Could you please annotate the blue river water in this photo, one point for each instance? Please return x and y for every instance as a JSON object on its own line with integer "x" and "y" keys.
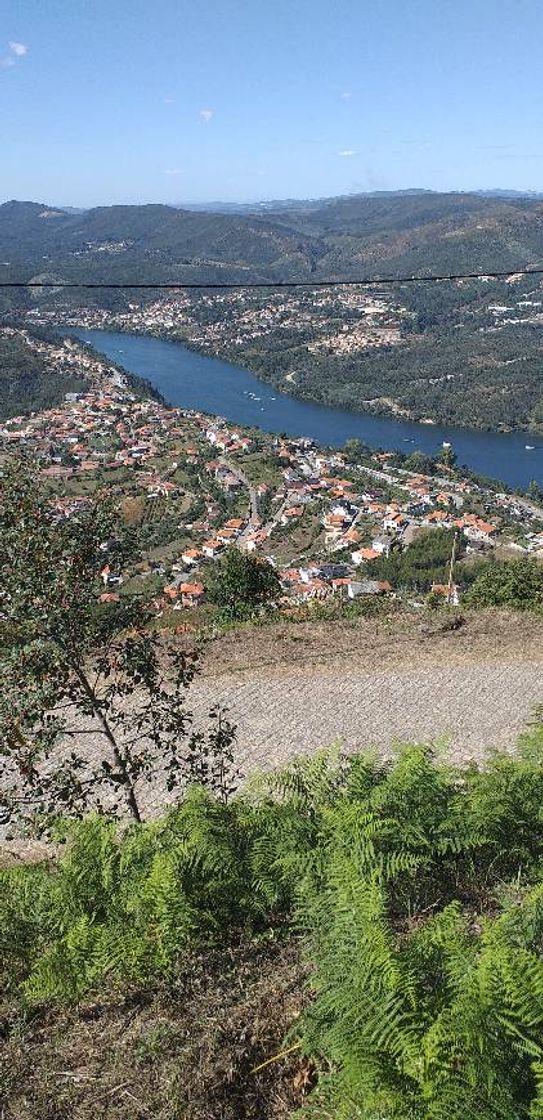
{"x": 195, "y": 381}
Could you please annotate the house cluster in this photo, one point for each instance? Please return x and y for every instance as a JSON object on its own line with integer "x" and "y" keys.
{"x": 218, "y": 321}
{"x": 360, "y": 512}
{"x": 360, "y": 521}
{"x": 104, "y": 428}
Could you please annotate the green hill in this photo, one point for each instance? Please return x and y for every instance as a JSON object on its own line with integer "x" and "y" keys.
{"x": 444, "y": 230}
{"x": 29, "y": 379}
{"x": 455, "y": 364}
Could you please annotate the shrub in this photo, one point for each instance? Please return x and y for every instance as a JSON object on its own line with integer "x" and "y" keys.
{"x": 416, "y": 887}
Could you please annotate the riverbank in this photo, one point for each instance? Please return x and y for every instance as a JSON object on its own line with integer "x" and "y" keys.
{"x": 191, "y": 380}
{"x": 357, "y": 350}
{"x": 289, "y": 384}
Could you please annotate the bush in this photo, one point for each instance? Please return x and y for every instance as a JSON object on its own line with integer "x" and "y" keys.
{"x": 416, "y": 886}
{"x": 510, "y": 583}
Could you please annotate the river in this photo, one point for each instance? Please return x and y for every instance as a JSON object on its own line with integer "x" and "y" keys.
{"x": 194, "y": 381}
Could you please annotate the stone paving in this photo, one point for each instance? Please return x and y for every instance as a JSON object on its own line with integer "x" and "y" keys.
{"x": 475, "y": 707}
{"x": 283, "y": 711}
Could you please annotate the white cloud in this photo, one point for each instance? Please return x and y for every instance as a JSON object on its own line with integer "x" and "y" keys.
{"x": 205, "y": 115}
{"x": 174, "y": 171}
{"x": 14, "y": 51}
{"x": 347, "y": 153}
{"x": 345, "y": 96}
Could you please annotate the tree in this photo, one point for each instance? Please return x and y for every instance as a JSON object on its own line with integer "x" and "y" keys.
{"x": 77, "y": 670}
{"x": 240, "y": 583}
{"x": 419, "y": 463}
{"x": 447, "y": 456}
{"x": 356, "y": 451}
{"x": 511, "y": 583}
{"x": 422, "y": 563}
{"x": 535, "y": 491}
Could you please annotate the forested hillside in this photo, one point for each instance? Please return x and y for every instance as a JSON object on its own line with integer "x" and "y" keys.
{"x": 30, "y": 378}
{"x": 444, "y": 355}
{"x": 414, "y": 233}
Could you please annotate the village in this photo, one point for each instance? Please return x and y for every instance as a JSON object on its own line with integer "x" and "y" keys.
{"x": 343, "y": 321}
{"x": 192, "y": 486}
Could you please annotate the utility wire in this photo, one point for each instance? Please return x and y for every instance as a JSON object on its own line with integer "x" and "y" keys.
{"x": 365, "y": 282}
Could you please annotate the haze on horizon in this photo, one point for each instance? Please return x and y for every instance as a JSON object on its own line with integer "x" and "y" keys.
{"x": 234, "y": 101}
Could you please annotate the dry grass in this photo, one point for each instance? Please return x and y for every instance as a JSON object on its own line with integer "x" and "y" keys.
{"x": 414, "y": 639}
{"x": 185, "y": 1053}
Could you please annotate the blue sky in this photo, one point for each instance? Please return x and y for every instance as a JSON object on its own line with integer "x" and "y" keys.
{"x": 105, "y": 101}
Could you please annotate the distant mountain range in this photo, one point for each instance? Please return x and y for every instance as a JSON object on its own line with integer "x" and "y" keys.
{"x": 282, "y": 204}
{"x": 260, "y": 206}
{"x": 355, "y": 236}
{"x": 457, "y": 362}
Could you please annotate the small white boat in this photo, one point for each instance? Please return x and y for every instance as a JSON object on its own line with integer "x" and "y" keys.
{"x": 529, "y": 447}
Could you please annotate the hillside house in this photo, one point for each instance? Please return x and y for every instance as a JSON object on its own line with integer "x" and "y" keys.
{"x": 191, "y": 556}
{"x": 448, "y": 594}
{"x": 212, "y": 549}
{"x": 394, "y": 523}
{"x": 437, "y": 519}
{"x": 364, "y": 556}
{"x": 381, "y": 545}
{"x": 292, "y": 514}
{"x": 192, "y": 594}
{"x": 477, "y": 530}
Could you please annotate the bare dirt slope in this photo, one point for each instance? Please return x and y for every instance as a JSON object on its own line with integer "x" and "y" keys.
{"x": 473, "y": 683}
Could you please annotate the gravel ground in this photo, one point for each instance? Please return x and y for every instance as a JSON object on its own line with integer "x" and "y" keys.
{"x": 474, "y": 707}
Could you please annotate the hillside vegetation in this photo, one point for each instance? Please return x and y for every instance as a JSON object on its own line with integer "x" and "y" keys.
{"x": 450, "y": 361}
{"x": 417, "y": 233}
{"x": 29, "y": 380}
{"x": 411, "y": 890}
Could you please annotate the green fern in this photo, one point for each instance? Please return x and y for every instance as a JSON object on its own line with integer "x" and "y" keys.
{"x": 416, "y": 889}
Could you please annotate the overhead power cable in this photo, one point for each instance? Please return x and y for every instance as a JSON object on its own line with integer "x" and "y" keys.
{"x": 363, "y": 282}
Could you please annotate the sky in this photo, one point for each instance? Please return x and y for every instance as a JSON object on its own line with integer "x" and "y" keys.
{"x": 125, "y": 101}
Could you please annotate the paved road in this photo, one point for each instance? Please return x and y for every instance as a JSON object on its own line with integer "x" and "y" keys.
{"x": 473, "y": 707}
{"x": 473, "y": 704}
{"x": 236, "y": 470}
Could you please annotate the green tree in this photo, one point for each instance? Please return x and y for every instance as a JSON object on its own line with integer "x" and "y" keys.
{"x": 356, "y": 451}
{"x": 420, "y": 463}
{"x": 240, "y": 583}
{"x": 422, "y": 563}
{"x": 510, "y": 583}
{"x": 447, "y": 456}
{"x": 75, "y": 669}
{"x": 535, "y": 491}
